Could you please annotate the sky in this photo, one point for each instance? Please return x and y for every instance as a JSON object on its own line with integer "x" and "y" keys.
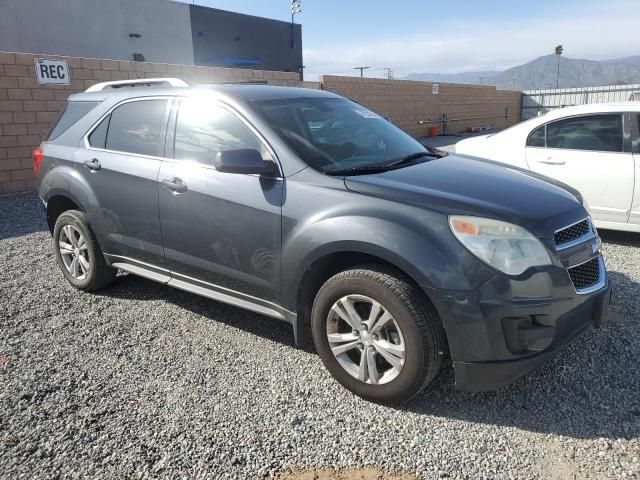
{"x": 449, "y": 36}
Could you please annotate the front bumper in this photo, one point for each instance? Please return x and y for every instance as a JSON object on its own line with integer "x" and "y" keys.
{"x": 483, "y": 376}
{"x": 511, "y": 326}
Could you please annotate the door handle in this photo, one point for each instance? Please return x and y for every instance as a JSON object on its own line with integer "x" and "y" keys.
{"x": 551, "y": 161}
{"x": 175, "y": 184}
{"x": 93, "y": 164}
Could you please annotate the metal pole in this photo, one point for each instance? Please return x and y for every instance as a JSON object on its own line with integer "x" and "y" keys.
{"x": 296, "y": 7}
{"x": 362, "y": 69}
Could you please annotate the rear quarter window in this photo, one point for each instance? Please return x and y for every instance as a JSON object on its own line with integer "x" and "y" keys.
{"x": 537, "y": 137}
{"x": 98, "y": 138}
{"x": 71, "y": 113}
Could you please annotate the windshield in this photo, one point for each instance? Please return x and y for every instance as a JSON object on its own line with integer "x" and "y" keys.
{"x": 333, "y": 134}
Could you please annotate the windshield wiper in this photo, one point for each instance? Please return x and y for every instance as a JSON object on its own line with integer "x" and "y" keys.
{"x": 377, "y": 167}
{"x": 437, "y": 153}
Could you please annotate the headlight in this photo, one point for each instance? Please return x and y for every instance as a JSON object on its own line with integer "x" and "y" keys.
{"x": 504, "y": 246}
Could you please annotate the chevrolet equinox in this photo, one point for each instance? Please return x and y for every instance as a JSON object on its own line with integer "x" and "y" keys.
{"x": 307, "y": 207}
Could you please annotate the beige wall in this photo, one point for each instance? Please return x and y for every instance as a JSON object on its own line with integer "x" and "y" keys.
{"x": 407, "y": 102}
{"x": 27, "y": 108}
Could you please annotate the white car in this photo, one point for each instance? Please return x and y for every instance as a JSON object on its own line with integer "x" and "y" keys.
{"x": 594, "y": 148}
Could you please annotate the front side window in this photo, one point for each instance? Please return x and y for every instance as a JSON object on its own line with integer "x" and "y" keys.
{"x": 204, "y": 129}
{"x": 601, "y": 133}
{"x": 133, "y": 127}
{"x": 332, "y": 134}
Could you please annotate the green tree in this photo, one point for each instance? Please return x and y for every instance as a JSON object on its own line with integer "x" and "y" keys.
{"x": 558, "y": 51}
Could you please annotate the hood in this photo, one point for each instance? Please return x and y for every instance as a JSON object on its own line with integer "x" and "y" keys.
{"x": 467, "y": 186}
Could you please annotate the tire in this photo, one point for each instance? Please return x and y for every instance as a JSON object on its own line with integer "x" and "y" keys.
{"x": 409, "y": 322}
{"x": 90, "y": 270}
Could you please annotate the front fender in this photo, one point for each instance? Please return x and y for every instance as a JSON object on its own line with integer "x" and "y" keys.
{"x": 422, "y": 252}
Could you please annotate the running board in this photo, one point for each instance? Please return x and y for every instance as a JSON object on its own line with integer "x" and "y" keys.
{"x": 143, "y": 272}
{"x": 209, "y": 291}
{"x": 225, "y": 298}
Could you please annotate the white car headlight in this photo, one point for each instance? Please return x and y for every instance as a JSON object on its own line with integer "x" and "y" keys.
{"x": 504, "y": 246}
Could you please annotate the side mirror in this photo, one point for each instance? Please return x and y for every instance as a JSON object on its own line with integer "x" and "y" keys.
{"x": 243, "y": 160}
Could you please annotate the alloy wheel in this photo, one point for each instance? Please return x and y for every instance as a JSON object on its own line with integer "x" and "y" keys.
{"x": 365, "y": 339}
{"x": 74, "y": 252}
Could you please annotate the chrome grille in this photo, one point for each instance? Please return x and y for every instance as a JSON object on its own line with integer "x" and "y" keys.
{"x": 573, "y": 232}
{"x": 586, "y": 274}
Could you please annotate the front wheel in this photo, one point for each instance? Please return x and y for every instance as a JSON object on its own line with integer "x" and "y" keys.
{"x": 377, "y": 334}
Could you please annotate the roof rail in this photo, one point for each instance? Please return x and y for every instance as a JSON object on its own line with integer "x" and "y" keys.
{"x": 242, "y": 82}
{"x": 138, "y": 82}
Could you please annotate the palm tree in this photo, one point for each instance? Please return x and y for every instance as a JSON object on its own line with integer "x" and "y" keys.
{"x": 558, "y": 52}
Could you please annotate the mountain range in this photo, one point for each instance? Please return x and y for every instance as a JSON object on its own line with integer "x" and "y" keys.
{"x": 542, "y": 73}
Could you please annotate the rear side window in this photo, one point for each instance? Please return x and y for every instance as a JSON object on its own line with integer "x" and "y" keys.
{"x": 602, "y": 133}
{"x": 536, "y": 138}
{"x": 134, "y": 127}
{"x": 72, "y": 112}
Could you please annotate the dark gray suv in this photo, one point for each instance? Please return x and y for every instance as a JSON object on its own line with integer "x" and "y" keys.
{"x": 307, "y": 207}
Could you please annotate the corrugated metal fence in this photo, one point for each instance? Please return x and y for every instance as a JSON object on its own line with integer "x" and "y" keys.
{"x": 534, "y": 101}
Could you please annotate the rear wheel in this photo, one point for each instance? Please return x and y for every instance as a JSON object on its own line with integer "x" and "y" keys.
{"x": 377, "y": 334}
{"x": 78, "y": 253}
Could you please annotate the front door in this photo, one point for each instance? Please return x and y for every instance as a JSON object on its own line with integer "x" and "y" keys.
{"x": 221, "y": 231}
{"x": 120, "y": 169}
{"x": 588, "y": 152}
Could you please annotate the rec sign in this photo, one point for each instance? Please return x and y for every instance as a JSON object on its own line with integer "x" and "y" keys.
{"x": 52, "y": 71}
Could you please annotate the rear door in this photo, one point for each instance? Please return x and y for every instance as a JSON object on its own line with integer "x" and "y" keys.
{"x": 589, "y": 153}
{"x": 221, "y": 231}
{"x": 120, "y": 165}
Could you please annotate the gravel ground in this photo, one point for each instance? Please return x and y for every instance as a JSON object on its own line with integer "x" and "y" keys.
{"x": 141, "y": 380}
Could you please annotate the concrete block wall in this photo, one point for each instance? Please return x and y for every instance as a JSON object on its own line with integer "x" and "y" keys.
{"x": 407, "y": 102}
{"x": 27, "y": 109}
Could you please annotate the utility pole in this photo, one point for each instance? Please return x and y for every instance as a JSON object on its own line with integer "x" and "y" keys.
{"x": 388, "y": 73}
{"x": 296, "y": 8}
{"x": 558, "y": 52}
{"x": 362, "y": 69}
{"x": 481, "y": 80}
